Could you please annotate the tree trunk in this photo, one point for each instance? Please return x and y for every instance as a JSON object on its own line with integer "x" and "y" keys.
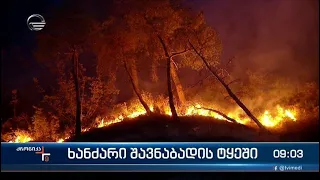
{"x": 77, "y": 90}
{"x": 82, "y": 99}
{"x": 231, "y": 94}
{"x": 136, "y": 89}
{"x": 171, "y": 101}
{"x": 178, "y": 85}
{"x": 134, "y": 74}
{"x": 14, "y": 111}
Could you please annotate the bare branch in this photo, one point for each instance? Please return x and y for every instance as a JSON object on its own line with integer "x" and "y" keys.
{"x": 174, "y": 63}
{"x": 224, "y": 77}
{"x": 226, "y": 97}
{"x": 207, "y": 40}
{"x": 180, "y": 53}
{"x": 236, "y": 80}
{"x": 220, "y": 113}
{"x": 200, "y": 81}
{"x": 242, "y": 92}
{"x": 230, "y": 60}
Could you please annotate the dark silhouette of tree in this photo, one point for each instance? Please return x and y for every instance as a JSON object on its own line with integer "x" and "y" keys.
{"x": 75, "y": 74}
{"x": 226, "y": 86}
{"x": 14, "y": 102}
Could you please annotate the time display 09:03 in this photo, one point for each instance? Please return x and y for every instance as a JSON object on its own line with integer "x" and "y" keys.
{"x": 293, "y": 153}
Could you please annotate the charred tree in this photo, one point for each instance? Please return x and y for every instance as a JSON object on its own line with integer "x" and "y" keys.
{"x": 231, "y": 94}
{"x": 170, "y": 93}
{"x": 14, "y": 101}
{"x": 177, "y": 83}
{"x": 75, "y": 73}
{"x": 134, "y": 73}
{"x": 136, "y": 89}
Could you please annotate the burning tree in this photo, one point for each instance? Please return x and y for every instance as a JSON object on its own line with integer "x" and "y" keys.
{"x": 79, "y": 97}
{"x": 87, "y": 56}
{"x": 116, "y": 46}
{"x": 18, "y": 121}
{"x": 171, "y": 24}
{"x": 45, "y": 125}
{"x": 157, "y": 24}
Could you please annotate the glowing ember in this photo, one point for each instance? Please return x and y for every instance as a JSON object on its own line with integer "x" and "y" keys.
{"x": 270, "y": 118}
{"x": 85, "y": 129}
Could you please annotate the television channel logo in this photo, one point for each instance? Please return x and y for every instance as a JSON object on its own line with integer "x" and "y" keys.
{"x": 44, "y": 156}
{"x": 36, "y": 22}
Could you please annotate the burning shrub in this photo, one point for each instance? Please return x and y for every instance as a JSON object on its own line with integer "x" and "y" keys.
{"x": 16, "y": 129}
{"x": 162, "y": 105}
{"x": 44, "y": 126}
{"x": 305, "y": 98}
{"x": 20, "y": 122}
{"x": 18, "y": 135}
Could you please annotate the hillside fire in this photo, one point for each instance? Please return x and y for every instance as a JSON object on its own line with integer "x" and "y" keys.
{"x": 161, "y": 60}
{"x": 270, "y": 118}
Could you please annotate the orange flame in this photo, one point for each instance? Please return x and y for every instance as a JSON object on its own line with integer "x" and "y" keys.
{"x": 269, "y": 118}
{"x": 21, "y": 137}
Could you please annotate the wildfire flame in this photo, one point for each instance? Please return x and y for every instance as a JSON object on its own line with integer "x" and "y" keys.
{"x": 271, "y": 119}
{"x": 21, "y": 137}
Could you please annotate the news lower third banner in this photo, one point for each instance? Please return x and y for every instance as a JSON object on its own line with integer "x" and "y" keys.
{"x": 160, "y": 156}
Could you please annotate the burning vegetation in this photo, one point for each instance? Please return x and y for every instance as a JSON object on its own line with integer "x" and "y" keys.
{"x": 274, "y": 118}
{"x": 154, "y": 39}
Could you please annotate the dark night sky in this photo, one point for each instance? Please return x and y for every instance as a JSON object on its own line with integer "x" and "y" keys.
{"x": 18, "y": 65}
{"x": 279, "y": 36}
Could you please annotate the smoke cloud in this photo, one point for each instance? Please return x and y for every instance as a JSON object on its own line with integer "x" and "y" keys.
{"x": 270, "y": 36}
